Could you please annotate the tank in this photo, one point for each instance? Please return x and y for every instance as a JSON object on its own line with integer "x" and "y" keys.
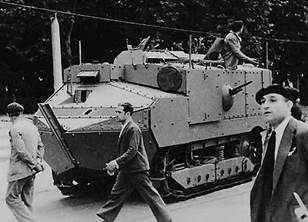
{"x": 200, "y": 121}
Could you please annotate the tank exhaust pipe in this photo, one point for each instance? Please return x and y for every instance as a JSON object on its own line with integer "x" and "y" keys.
{"x": 56, "y": 53}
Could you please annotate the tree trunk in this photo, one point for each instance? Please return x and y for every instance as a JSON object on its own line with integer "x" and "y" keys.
{"x": 67, "y": 43}
{"x": 67, "y": 38}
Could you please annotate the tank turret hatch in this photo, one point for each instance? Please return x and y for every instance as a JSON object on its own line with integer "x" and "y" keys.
{"x": 88, "y": 76}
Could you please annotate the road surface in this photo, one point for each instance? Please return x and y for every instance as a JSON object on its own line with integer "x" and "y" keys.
{"x": 230, "y": 204}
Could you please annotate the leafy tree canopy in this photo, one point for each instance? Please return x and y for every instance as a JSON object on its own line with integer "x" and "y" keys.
{"x": 25, "y": 55}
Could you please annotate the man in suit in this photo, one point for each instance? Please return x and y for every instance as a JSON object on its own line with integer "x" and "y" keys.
{"x": 133, "y": 166}
{"x": 25, "y": 161}
{"x": 231, "y": 52}
{"x": 284, "y": 167}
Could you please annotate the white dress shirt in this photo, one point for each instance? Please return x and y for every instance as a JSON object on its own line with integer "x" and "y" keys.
{"x": 114, "y": 162}
{"x": 279, "y": 132}
{"x": 124, "y": 125}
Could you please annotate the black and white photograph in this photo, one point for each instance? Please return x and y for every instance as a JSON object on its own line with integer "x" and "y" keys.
{"x": 144, "y": 111}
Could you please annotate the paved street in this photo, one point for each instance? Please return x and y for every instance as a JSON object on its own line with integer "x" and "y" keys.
{"x": 4, "y": 142}
{"x": 225, "y": 205}
{"x": 231, "y": 204}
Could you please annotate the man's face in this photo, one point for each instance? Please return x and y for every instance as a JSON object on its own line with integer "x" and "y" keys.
{"x": 275, "y": 108}
{"x": 121, "y": 116}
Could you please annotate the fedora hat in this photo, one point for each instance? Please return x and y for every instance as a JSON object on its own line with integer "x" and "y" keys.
{"x": 288, "y": 92}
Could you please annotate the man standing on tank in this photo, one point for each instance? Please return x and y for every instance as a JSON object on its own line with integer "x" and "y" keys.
{"x": 133, "y": 166}
{"x": 25, "y": 161}
{"x": 231, "y": 52}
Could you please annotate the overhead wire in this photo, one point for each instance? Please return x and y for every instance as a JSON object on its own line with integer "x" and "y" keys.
{"x": 106, "y": 19}
{"x": 286, "y": 40}
{"x": 212, "y": 34}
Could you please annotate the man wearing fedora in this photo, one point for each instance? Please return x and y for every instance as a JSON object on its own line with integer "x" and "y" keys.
{"x": 284, "y": 167}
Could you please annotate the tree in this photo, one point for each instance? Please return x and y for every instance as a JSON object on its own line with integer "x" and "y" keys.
{"x": 289, "y": 19}
{"x": 26, "y": 46}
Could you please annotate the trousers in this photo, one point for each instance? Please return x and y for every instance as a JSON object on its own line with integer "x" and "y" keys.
{"x": 124, "y": 186}
{"x": 19, "y": 198}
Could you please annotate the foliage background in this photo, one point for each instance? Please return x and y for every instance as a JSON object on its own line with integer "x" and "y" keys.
{"x": 25, "y": 55}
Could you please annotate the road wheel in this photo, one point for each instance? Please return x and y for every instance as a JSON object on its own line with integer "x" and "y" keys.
{"x": 251, "y": 147}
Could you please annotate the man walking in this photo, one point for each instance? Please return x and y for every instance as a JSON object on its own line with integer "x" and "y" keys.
{"x": 284, "y": 167}
{"x": 133, "y": 173}
{"x": 25, "y": 161}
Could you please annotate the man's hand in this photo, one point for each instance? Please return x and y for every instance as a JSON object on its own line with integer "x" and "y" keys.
{"x": 254, "y": 61}
{"x": 111, "y": 167}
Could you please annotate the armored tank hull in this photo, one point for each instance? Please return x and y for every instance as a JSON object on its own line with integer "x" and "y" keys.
{"x": 200, "y": 122}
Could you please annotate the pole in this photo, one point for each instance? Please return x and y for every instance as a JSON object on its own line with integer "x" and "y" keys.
{"x": 266, "y": 54}
{"x": 56, "y": 53}
{"x": 190, "y": 43}
{"x": 79, "y": 47}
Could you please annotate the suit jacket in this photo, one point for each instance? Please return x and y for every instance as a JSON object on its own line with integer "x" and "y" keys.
{"x": 290, "y": 175}
{"x": 26, "y": 149}
{"x": 132, "y": 155}
{"x": 231, "y": 52}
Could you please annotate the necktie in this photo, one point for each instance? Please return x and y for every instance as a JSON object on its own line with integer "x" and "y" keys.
{"x": 268, "y": 166}
{"x": 267, "y": 174}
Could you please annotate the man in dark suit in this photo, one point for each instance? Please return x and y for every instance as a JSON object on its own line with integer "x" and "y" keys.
{"x": 284, "y": 168}
{"x": 231, "y": 52}
{"x": 133, "y": 173}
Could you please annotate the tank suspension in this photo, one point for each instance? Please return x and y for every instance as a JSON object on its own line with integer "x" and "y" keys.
{"x": 158, "y": 174}
{"x": 220, "y": 153}
{"x": 203, "y": 166}
{"x": 236, "y": 151}
{"x": 158, "y": 168}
